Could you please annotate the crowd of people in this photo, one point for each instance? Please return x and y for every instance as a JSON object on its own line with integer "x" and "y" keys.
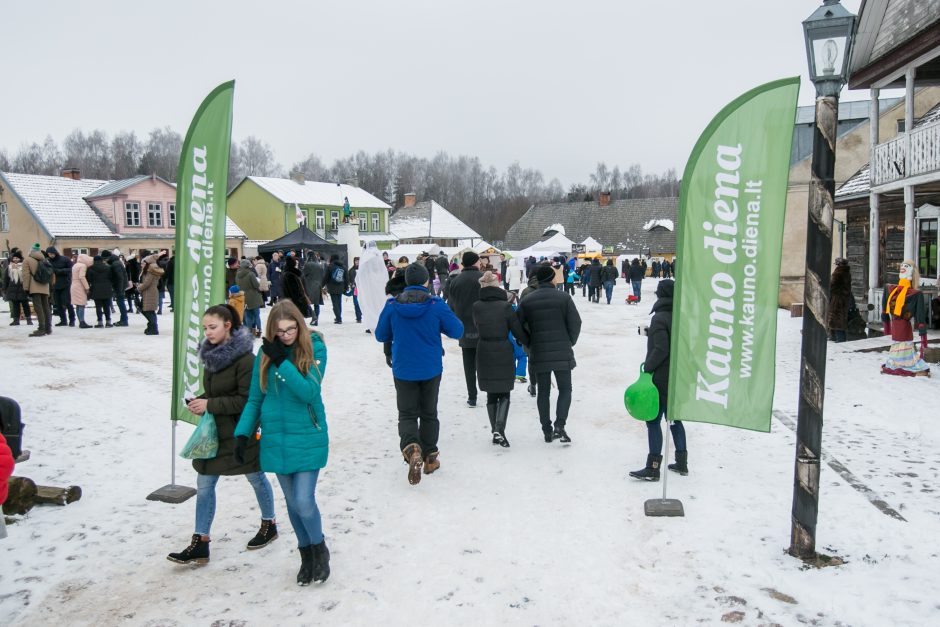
{"x": 515, "y": 322}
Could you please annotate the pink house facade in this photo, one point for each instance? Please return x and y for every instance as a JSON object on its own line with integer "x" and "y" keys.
{"x": 142, "y": 206}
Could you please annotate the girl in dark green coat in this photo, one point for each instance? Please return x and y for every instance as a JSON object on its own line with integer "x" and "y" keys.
{"x": 227, "y": 357}
{"x": 285, "y": 401}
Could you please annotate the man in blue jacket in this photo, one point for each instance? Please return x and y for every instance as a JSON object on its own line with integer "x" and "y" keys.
{"x": 413, "y": 323}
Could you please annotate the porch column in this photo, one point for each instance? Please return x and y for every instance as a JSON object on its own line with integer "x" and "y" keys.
{"x": 874, "y": 230}
{"x": 909, "y": 234}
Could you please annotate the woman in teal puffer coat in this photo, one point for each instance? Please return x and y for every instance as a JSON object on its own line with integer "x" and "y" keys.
{"x": 285, "y": 402}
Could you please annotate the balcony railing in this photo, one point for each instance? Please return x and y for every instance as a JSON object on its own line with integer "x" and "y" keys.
{"x": 891, "y": 165}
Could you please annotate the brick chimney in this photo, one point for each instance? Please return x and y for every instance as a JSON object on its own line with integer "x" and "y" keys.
{"x": 298, "y": 177}
{"x": 72, "y": 173}
{"x": 604, "y": 199}
{"x": 410, "y": 199}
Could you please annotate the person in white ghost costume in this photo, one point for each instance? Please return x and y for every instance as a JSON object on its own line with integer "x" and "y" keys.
{"x": 371, "y": 280}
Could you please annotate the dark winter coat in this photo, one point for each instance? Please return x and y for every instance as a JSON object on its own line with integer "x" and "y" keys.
{"x": 552, "y": 323}
{"x": 637, "y": 272}
{"x": 609, "y": 273}
{"x": 313, "y": 275}
{"x": 249, "y": 284}
{"x": 62, "y": 268}
{"x": 657, "y": 341}
{"x": 118, "y": 276}
{"x": 99, "y": 280}
{"x": 840, "y": 297}
{"x": 595, "y": 278}
{"x": 440, "y": 264}
{"x": 494, "y": 319}
{"x": 133, "y": 270}
{"x": 336, "y": 287}
{"x": 13, "y": 287}
{"x": 463, "y": 291}
{"x": 226, "y": 380}
{"x": 230, "y": 277}
{"x": 413, "y": 322}
{"x": 292, "y": 287}
{"x": 170, "y": 270}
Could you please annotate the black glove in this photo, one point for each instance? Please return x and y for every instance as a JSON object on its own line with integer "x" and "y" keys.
{"x": 388, "y": 360}
{"x": 274, "y": 350}
{"x": 241, "y": 443}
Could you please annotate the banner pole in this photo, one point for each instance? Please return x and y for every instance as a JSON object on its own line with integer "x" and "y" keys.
{"x": 665, "y": 467}
{"x": 173, "y": 454}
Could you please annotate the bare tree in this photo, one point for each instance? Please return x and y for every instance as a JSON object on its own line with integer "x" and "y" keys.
{"x": 312, "y": 168}
{"x": 126, "y": 151}
{"x": 257, "y": 159}
{"x": 5, "y": 162}
{"x": 38, "y": 159}
{"x": 162, "y": 153}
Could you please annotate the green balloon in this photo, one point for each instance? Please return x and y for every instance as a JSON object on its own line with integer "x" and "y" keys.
{"x": 642, "y": 398}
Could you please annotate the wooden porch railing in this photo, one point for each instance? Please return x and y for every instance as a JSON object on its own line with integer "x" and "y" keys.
{"x": 890, "y": 163}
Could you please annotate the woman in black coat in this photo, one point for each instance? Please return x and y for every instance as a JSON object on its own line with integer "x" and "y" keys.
{"x": 595, "y": 282}
{"x": 495, "y": 358}
{"x": 99, "y": 284}
{"x": 292, "y": 287}
{"x": 657, "y": 363}
{"x": 228, "y": 359}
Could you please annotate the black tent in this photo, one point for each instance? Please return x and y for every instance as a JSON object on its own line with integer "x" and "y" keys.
{"x": 303, "y": 239}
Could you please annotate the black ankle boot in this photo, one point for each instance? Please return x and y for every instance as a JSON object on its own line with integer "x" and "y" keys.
{"x": 321, "y": 562}
{"x": 502, "y": 415}
{"x": 196, "y": 553}
{"x": 682, "y": 463}
{"x": 305, "y": 574}
{"x": 651, "y": 472}
{"x": 265, "y": 536}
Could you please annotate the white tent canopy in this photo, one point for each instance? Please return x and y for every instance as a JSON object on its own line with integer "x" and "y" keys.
{"x": 555, "y": 244}
{"x": 591, "y": 245}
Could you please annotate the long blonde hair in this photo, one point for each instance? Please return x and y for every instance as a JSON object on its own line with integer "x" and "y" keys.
{"x": 303, "y": 346}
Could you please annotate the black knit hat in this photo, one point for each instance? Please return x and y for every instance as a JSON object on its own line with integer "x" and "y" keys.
{"x": 544, "y": 274}
{"x": 416, "y": 274}
{"x": 469, "y": 258}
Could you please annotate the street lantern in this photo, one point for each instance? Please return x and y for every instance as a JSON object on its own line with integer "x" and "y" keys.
{"x": 829, "y": 32}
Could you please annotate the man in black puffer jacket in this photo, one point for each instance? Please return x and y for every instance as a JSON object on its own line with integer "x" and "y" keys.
{"x": 551, "y": 320}
{"x": 61, "y": 289}
{"x": 657, "y": 363}
{"x": 462, "y": 291}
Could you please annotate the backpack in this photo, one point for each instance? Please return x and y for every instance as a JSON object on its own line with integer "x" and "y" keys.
{"x": 43, "y": 273}
{"x": 11, "y": 425}
{"x": 338, "y": 275}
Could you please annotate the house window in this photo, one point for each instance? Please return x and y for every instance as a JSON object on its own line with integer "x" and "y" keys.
{"x": 334, "y": 220}
{"x": 375, "y": 222}
{"x": 927, "y": 252}
{"x": 171, "y": 208}
{"x": 154, "y": 214}
{"x": 79, "y": 251}
{"x": 132, "y": 214}
{"x": 320, "y": 220}
{"x": 4, "y": 217}
{"x": 363, "y": 220}
{"x": 306, "y": 217}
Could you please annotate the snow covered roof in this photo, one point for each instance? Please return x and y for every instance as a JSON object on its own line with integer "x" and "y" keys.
{"x": 859, "y": 184}
{"x": 372, "y": 236}
{"x": 557, "y": 243}
{"x": 558, "y": 227}
{"x": 116, "y": 187}
{"x": 317, "y": 193}
{"x": 429, "y": 220}
{"x": 232, "y": 229}
{"x": 58, "y": 204}
{"x": 663, "y": 222}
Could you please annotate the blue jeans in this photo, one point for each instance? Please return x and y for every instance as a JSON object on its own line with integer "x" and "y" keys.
{"x": 636, "y": 287}
{"x": 253, "y": 318}
{"x": 205, "y": 499}
{"x": 122, "y": 307}
{"x": 654, "y": 433}
{"x": 300, "y": 491}
{"x": 608, "y": 290}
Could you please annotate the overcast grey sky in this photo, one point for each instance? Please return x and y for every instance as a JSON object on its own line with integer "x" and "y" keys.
{"x": 557, "y": 86}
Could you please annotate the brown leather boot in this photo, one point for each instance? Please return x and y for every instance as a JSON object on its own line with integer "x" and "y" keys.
{"x": 412, "y": 455}
{"x": 431, "y": 463}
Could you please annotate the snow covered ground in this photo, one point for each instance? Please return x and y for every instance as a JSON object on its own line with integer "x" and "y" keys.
{"x": 539, "y": 534}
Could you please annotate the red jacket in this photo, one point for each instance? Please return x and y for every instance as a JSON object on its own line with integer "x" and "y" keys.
{"x": 6, "y": 467}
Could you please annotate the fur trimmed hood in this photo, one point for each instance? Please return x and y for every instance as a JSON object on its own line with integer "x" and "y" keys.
{"x": 219, "y": 357}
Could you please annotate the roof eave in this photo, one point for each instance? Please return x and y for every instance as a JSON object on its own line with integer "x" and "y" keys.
{"x": 25, "y": 204}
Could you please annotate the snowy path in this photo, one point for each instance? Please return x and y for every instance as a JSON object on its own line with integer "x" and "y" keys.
{"x": 539, "y": 534}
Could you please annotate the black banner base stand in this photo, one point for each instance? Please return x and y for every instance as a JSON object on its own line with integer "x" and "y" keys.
{"x": 664, "y": 506}
{"x": 172, "y": 493}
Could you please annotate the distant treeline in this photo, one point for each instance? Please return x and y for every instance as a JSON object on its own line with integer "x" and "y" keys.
{"x": 488, "y": 200}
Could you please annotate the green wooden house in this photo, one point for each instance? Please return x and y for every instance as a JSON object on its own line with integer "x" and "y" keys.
{"x": 266, "y": 208}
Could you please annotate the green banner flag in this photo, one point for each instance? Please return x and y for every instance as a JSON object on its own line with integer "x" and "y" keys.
{"x": 199, "y": 270}
{"x": 731, "y": 213}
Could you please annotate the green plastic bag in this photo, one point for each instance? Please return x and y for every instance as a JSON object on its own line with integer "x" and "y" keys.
{"x": 204, "y": 442}
{"x": 642, "y": 398}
